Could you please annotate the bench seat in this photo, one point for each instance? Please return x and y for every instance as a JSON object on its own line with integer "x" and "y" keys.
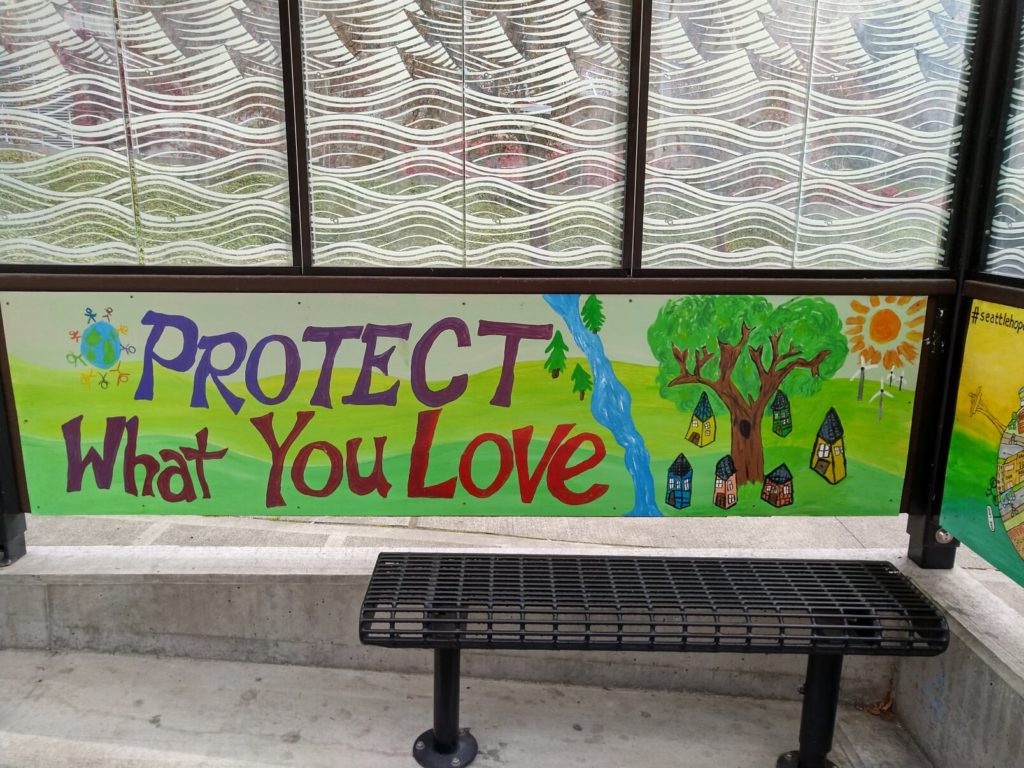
{"x": 824, "y": 609}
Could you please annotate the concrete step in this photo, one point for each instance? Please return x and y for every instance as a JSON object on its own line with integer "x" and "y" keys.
{"x": 88, "y": 710}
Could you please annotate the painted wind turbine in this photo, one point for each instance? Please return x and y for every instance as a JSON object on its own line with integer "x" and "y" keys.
{"x": 881, "y": 394}
{"x": 864, "y": 368}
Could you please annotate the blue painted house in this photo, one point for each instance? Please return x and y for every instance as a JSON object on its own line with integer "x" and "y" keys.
{"x": 680, "y": 483}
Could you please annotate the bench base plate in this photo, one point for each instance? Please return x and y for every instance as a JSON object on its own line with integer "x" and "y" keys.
{"x": 792, "y": 760}
{"x": 426, "y": 754}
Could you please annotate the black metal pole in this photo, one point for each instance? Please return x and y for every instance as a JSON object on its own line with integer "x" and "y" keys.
{"x": 446, "y": 700}
{"x": 818, "y": 716}
{"x": 290, "y": 19}
{"x": 12, "y": 515}
{"x": 12, "y": 538}
{"x": 446, "y": 745}
{"x": 636, "y": 136}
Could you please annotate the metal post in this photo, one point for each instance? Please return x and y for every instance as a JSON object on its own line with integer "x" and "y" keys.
{"x": 818, "y": 716}
{"x": 445, "y": 745}
{"x": 12, "y": 516}
{"x": 12, "y": 538}
{"x": 446, "y": 700}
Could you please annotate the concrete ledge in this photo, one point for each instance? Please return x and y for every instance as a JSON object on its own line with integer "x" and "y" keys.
{"x": 300, "y": 606}
{"x": 965, "y": 707}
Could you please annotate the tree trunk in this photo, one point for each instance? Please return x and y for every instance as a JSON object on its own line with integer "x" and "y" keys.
{"x": 747, "y": 449}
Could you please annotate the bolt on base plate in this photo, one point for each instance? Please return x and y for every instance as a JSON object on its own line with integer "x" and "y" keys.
{"x": 792, "y": 760}
{"x": 427, "y": 755}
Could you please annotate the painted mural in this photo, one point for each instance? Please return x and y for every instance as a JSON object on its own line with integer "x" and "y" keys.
{"x": 983, "y": 502}
{"x": 403, "y": 404}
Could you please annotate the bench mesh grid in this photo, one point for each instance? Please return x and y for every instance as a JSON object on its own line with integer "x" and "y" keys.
{"x": 428, "y": 600}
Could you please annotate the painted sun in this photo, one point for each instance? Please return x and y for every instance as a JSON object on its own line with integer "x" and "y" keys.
{"x": 887, "y": 329}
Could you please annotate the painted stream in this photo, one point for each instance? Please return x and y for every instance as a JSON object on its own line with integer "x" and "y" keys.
{"x": 610, "y": 403}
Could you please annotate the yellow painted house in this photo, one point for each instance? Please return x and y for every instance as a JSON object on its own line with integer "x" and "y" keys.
{"x": 702, "y": 423}
{"x": 828, "y": 458}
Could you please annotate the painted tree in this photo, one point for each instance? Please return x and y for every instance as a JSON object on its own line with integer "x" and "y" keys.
{"x": 581, "y": 381}
{"x": 745, "y": 350}
{"x": 556, "y": 350}
{"x": 592, "y": 314}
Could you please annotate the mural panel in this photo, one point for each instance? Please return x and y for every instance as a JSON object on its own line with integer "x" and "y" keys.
{"x": 983, "y": 503}
{"x": 457, "y": 404}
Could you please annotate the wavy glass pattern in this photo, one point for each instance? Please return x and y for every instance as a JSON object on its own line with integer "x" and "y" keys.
{"x": 803, "y": 133}
{"x": 65, "y": 190}
{"x": 486, "y": 133}
{"x": 384, "y": 117}
{"x": 206, "y": 115}
{"x": 545, "y": 132}
{"x": 1006, "y": 243}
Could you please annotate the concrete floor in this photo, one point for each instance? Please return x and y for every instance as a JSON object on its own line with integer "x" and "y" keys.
{"x": 91, "y": 710}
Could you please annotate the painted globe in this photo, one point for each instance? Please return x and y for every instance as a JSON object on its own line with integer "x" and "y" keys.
{"x": 101, "y": 345}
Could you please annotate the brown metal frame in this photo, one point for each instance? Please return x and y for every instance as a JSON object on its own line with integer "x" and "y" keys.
{"x": 504, "y": 283}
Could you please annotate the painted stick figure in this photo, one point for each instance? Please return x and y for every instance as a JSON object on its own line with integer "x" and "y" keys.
{"x": 90, "y": 314}
{"x": 122, "y": 376}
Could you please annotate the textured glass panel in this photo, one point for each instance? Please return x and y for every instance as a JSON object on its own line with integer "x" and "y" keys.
{"x": 1006, "y": 246}
{"x": 886, "y": 94}
{"x": 385, "y": 111}
{"x": 803, "y": 133}
{"x": 725, "y": 129}
{"x": 485, "y": 133}
{"x": 546, "y": 90}
{"x": 206, "y": 115}
{"x": 65, "y": 191}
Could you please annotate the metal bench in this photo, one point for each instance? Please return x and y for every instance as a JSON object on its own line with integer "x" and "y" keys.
{"x": 824, "y": 609}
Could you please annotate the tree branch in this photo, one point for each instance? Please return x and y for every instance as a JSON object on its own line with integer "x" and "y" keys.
{"x": 685, "y": 377}
{"x": 755, "y": 355}
{"x": 700, "y": 359}
{"x": 729, "y": 355}
{"x": 813, "y": 365}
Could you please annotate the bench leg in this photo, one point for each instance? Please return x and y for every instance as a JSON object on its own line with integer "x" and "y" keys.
{"x": 445, "y": 745}
{"x": 818, "y": 716}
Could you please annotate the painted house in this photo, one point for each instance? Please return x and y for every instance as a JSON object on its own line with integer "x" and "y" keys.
{"x": 1020, "y": 413}
{"x": 782, "y": 416}
{"x": 680, "y": 483}
{"x": 778, "y": 487}
{"x": 725, "y": 483}
{"x": 828, "y": 458}
{"x": 1010, "y": 466}
{"x": 702, "y": 423}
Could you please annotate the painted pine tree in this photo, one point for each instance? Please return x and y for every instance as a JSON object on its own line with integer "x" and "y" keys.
{"x": 581, "y": 381}
{"x": 556, "y": 350}
{"x": 592, "y": 314}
